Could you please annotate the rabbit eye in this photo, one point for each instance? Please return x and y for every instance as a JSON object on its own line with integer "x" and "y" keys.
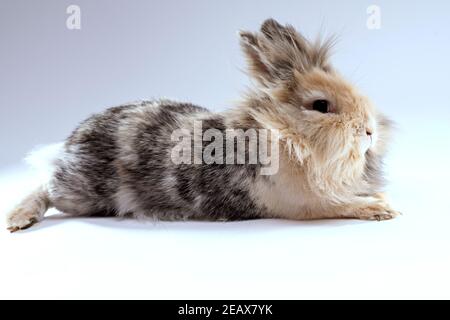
{"x": 320, "y": 105}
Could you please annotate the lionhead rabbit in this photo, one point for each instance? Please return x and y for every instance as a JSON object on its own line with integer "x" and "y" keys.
{"x": 330, "y": 139}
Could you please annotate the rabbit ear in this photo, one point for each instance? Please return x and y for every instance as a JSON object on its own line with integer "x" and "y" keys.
{"x": 276, "y": 51}
{"x": 259, "y": 67}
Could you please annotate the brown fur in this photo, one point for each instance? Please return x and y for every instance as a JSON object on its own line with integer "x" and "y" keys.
{"x": 322, "y": 164}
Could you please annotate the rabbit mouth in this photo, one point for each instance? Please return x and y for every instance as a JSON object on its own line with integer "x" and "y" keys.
{"x": 365, "y": 143}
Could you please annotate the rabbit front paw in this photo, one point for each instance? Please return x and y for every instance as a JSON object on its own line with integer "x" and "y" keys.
{"x": 377, "y": 211}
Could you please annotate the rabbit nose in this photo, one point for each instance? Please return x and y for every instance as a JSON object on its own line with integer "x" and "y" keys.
{"x": 368, "y": 132}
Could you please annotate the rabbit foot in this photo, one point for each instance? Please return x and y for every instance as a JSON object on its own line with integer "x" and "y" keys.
{"x": 378, "y": 211}
{"x": 21, "y": 218}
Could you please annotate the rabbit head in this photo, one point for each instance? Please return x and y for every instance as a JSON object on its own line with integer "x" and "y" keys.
{"x": 332, "y": 131}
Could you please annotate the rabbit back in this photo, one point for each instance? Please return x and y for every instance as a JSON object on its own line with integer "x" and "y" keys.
{"x": 119, "y": 163}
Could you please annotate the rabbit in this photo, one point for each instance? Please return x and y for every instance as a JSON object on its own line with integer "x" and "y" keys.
{"x": 331, "y": 139}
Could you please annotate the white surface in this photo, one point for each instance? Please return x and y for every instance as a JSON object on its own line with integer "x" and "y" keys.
{"x": 268, "y": 259}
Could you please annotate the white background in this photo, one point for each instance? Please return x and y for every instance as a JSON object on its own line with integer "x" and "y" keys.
{"x": 51, "y": 78}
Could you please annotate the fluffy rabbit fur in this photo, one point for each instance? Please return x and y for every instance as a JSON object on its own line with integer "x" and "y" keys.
{"x": 332, "y": 141}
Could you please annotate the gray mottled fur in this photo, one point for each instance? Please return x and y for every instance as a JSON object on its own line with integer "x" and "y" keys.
{"x": 118, "y": 163}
